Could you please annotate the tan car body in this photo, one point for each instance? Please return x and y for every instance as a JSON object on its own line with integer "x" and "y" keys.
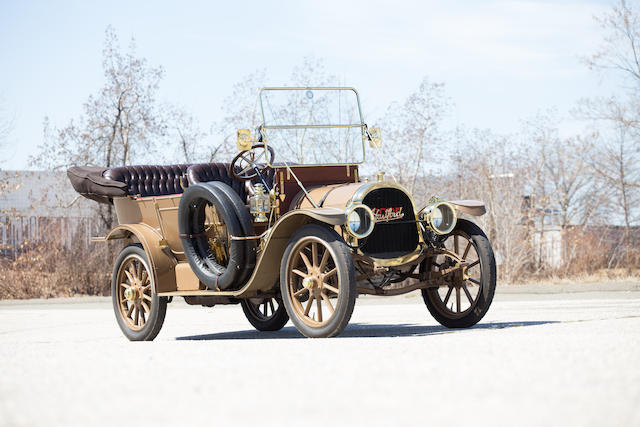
{"x": 152, "y": 221}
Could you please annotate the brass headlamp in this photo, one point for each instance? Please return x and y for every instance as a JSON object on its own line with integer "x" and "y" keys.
{"x": 440, "y": 216}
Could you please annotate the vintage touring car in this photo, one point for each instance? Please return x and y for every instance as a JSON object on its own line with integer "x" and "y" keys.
{"x": 289, "y": 229}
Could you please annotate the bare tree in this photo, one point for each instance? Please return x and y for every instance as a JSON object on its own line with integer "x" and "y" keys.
{"x": 415, "y": 125}
{"x": 6, "y": 123}
{"x": 620, "y": 50}
{"x": 123, "y": 123}
{"x": 120, "y": 123}
{"x": 616, "y": 164}
{"x": 7, "y": 179}
{"x": 240, "y": 110}
{"x": 493, "y": 168}
{"x": 184, "y": 132}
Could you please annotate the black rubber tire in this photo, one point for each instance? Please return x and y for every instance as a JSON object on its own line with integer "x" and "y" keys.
{"x": 274, "y": 322}
{"x": 487, "y": 281}
{"x": 191, "y": 218}
{"x": 246, "y": 223}
{"x": 346, "y": 275}
{"x": 158, "y": 304}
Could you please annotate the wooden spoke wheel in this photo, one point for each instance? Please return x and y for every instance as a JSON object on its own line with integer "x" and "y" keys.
{"x": 139, "y": 311}
{"x": 265, "y": 314}
{"x": 317, "y": 281}
{"x": 465, "y": 300}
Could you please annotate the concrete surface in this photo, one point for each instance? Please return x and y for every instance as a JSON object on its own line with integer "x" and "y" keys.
{"x": 540, "y": 357}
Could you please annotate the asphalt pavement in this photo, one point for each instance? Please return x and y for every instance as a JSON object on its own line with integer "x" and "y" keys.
{"x": 543, "y": 355}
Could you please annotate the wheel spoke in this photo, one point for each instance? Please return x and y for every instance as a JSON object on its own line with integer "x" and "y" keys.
{"x": 328, "y": 301}
{"x": 477, "y": 282}
{"x": 305, "y": 259}
{"x": 143, "y": 320}
{"x": 273, "y": 310}
{"x": 455, "y": 243}
{"x": 319, "y": 308}
{"x": 309, "y": 304}
{"x": 331, "y": 288}
{"x": 446, "y": 298}
{"x": 458, "y": 299}
{"x": 147, "y": 297}
{"x": 330, "y": 273}
{"x": 299, "y": 273}
{"x": 466, "y": 291}
{"x": 136, "y": 315}
{"x": 265, "y": 310}
{"x": 124, "y": 285}
{"x": 314, "y": 254}
{"x": 129, "y": 276}
{"x": 299, "y": 292}
{"x": 466, "y": 250}
{"x": 473, "y": 264}
{"x": 323, "y": 261}
{"x": 145, "y": 277}
{"x": 131, "y": 307}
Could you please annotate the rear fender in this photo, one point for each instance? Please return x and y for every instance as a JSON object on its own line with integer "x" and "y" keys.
{"x": 162, "y": 262}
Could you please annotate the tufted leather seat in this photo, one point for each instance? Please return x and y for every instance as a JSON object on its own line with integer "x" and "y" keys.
{"x": 206, "y": 172}
{"x": 149, "y": 180}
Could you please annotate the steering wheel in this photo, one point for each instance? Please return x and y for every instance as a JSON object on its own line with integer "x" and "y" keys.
{"x": 248, "y": 162}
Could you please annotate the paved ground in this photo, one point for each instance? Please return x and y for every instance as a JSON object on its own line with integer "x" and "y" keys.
{"x": 541, "y": 356}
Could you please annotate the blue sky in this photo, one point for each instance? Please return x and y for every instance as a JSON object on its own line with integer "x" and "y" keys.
{"x": 501, "y": 61}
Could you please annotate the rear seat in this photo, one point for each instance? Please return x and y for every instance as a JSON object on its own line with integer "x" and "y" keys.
{"x": 158, "y": 180}
{"x": 149, "y": 180}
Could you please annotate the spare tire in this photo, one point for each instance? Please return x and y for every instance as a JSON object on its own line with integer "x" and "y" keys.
{"x": 191, "y": 226}
{"x": 246, "y": 223}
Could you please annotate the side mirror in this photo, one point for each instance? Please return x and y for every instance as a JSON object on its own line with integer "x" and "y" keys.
{"x": 375, "y": 140}
{"x": 243, "y": 139}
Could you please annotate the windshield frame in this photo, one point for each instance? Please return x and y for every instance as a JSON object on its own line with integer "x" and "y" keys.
{"x": 362, "y": 125}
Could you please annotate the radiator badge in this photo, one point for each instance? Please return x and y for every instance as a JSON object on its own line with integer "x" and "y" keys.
{"x": 387, "y": 214}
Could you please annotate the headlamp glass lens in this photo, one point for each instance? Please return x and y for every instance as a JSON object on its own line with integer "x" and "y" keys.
{"x": 360, "y": 222}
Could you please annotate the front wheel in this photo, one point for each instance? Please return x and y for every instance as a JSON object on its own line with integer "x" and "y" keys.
{"x": 465, "y": 301}
{"x": 317, "y": 281}
{"x": 139, "y": 310}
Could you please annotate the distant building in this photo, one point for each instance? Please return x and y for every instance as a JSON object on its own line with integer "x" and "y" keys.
{"x": 33, "y": 203}
{"x": 546, "y": 237}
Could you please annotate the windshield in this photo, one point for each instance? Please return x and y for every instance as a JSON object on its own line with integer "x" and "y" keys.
{"x": 313, "y": 126}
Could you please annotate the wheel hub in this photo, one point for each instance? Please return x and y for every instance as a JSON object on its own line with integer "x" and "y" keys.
{"x": 131, "y": 294}
{"x": 310, "y": 282}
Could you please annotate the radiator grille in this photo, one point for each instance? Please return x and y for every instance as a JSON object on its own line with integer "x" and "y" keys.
{"x": 393, "y": 238}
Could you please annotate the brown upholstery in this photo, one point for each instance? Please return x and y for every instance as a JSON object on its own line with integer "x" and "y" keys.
{"x": 206, "y": 172}
{"x": 149, "y": 180}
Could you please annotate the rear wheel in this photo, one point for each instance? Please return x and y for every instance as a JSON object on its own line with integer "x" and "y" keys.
{"x": 317, "y": 281}
{"x": 465, "y": 301}
{"x": 139, "y": 311}
{"x": 265, "y": 314}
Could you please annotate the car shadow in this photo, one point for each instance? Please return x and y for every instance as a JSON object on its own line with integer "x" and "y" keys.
{"x": 361, "y": 330}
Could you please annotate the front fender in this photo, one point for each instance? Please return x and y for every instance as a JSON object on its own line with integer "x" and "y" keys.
{"x": 471, "y": 207}
{"x": 267, "y": 268}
